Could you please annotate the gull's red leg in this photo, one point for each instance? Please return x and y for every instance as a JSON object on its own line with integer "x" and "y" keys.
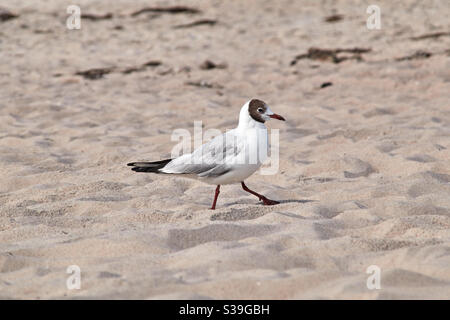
{"x": 215, "y": 197}
{"x": 266, "y": 201}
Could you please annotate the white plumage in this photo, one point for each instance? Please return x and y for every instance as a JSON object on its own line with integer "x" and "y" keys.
{"x": 229, "y": 158}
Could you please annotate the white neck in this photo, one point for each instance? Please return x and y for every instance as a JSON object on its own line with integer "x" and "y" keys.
{"x": 246, "y": 121}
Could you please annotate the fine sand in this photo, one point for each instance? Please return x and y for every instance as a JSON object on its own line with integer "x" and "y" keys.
{"x": 364, "y": 173}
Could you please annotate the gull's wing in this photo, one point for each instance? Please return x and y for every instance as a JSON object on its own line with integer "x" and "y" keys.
{"x": 211, "y": 159}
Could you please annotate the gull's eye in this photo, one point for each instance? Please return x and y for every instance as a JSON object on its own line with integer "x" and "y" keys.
{"x": 260, "y": 110}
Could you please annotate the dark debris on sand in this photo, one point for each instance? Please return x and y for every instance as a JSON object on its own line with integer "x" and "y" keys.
{"x": 98, "y": 73}
{"x": 6, "y": 15}
{"x": 332, "y": 55}
{"x": 152, "y": 63}
{"x": 334, "y": 18}
{"x": 431, "y": 36}
{"x": 94, "y": 17}
{"x": 169, "y": 10}
{"x": 202, "y": 22}
{"x": 326, "y": 84}
{"x": 208, "y": 65}
{"x": 420, "y": 54}
{"x": 95, "y": 73}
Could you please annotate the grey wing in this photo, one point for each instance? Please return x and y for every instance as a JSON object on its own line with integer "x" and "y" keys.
{"x": 212, "y": 159}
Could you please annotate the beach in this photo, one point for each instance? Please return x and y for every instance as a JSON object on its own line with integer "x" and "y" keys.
{"x": 364, "y": 153}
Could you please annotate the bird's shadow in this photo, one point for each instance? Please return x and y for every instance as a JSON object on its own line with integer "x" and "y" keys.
{"x": 295, "y": 201}
{"x": 280, "y": 202}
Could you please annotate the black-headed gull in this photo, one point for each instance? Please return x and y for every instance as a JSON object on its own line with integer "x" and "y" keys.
{"x": 228, "y": 158}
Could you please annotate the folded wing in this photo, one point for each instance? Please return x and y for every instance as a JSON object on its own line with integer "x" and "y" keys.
{"x": 212, "y": 159}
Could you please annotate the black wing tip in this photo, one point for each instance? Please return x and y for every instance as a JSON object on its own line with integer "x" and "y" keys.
{"x": 148, "y": 166}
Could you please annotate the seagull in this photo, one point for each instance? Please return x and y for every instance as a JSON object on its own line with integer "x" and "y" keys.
{"x": 228, "y": 158}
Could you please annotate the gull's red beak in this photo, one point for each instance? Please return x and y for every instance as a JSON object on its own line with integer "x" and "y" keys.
{"x": 277, "y": 116}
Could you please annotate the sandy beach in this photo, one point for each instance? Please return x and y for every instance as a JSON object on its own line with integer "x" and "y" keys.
{"x": 364, "y": 170}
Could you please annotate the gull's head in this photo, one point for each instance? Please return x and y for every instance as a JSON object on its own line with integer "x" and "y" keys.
{"x": 260, "y": 111}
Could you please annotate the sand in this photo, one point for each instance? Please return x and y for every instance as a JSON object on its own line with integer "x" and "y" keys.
{"x": 364, "y": 173}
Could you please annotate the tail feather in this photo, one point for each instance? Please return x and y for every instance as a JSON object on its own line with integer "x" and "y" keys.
{"x": 148, "y": 166}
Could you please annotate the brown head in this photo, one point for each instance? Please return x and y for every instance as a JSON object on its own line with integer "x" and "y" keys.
{"x": 261, "y": 112}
